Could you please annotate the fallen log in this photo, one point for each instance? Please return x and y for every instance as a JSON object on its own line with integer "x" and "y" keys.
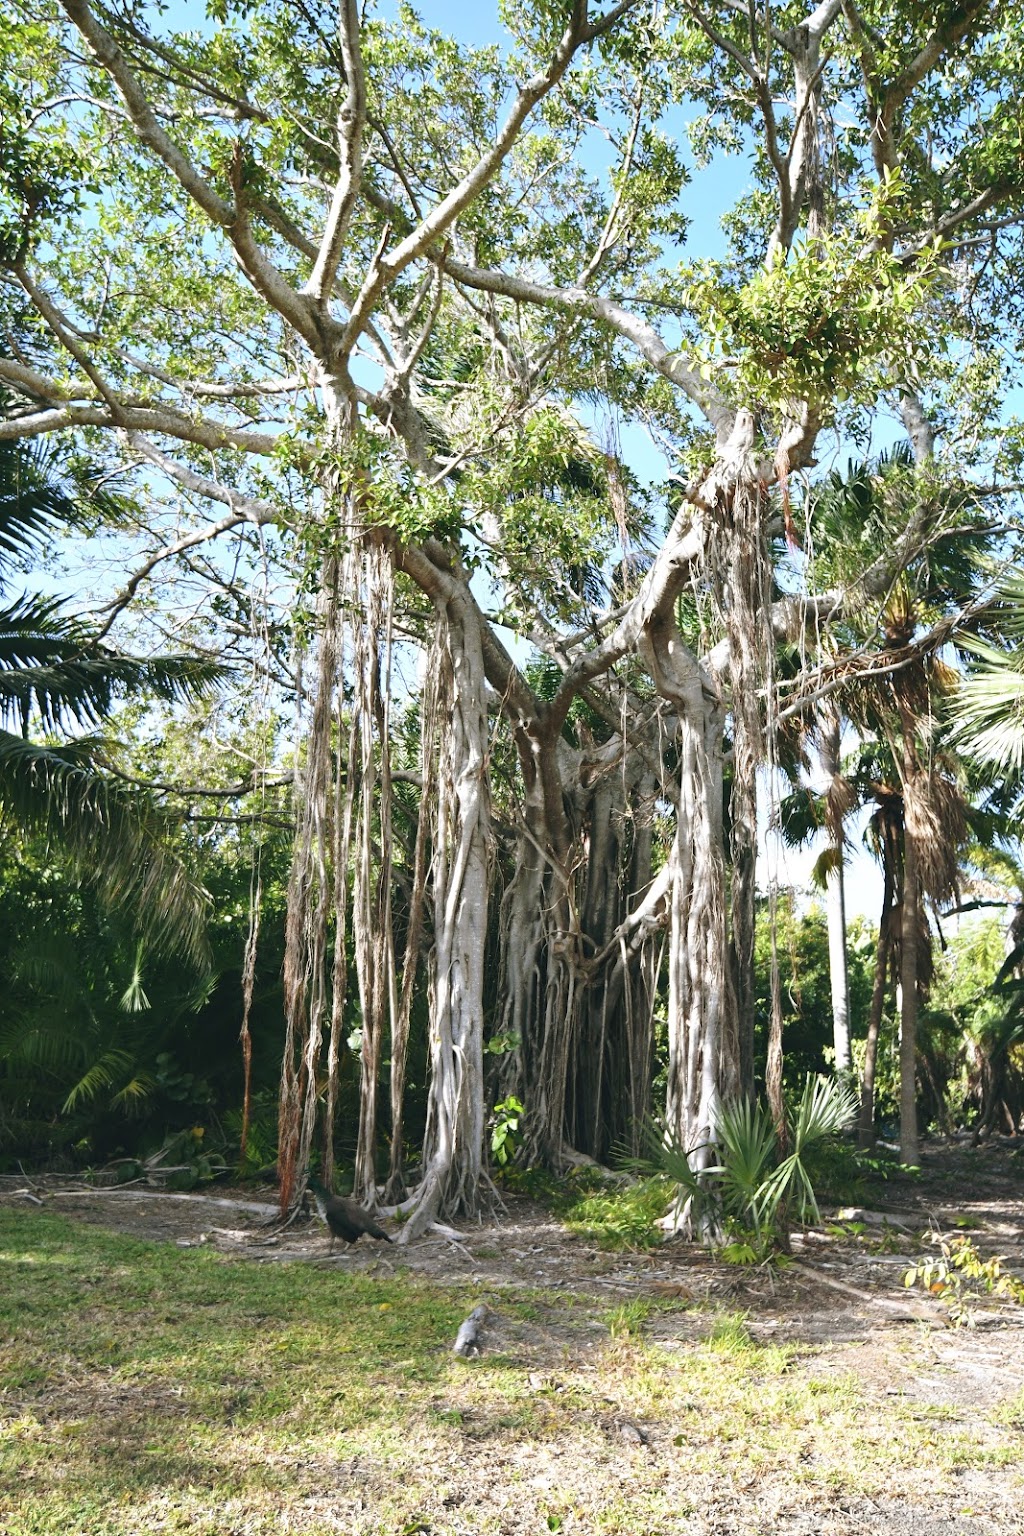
{"x": 259, "y": 1207}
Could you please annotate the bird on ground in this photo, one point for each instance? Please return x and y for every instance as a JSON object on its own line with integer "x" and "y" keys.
{"x": 345, "y": 1218}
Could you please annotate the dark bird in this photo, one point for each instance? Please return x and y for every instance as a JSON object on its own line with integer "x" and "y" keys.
{"x": 346, "y": 1218}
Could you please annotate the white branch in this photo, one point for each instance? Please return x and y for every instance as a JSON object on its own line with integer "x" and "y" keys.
{"x": 351, "y": 123}
{"x": 164, "y": 422}
{"x": 631, "y": 327}
{"x": 441, "y": 218}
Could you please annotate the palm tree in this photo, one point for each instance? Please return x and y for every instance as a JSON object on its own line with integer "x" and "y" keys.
{"x": 57, "y": 676}
{"x": 920, "y": 808}
{"x": 988, "y": 710}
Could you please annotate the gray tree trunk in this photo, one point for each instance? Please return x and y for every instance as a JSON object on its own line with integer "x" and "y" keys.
{"x": 910, "y": 1151}
{"x": 453, "y": 1144}
{"x": 835, "y": 910}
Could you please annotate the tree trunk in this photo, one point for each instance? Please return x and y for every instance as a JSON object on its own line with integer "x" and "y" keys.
{"x": 610, "y": 1077}
{"x": 883, "y": 965}
{"x": 372, "y": 588}
{"x": 540, "y": 973}
{"x": 835, "y": 899}
{"x": 909, "y": 963}
{"x": 745, "y": 578}
{"x": 835, "y": 909}
{"x": 909, "y": 939}
{"x": 453, "y": 1143}
{"x": 697, "y": 944}
{"x": 310, "y": 895}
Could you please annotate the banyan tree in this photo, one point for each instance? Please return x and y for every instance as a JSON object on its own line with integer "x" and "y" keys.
{"x": 311, "y": 269}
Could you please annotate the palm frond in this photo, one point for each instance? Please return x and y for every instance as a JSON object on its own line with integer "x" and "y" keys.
{"x": 111, "y": 832}
{"x": 747, "y": 1139}
{"x": 31, "y": 498}
{"x": 50, "y": 664}
{"x": 101, "y": 1074}
{"x": 988, "y": 712}
{"x": 826, "y": 1107}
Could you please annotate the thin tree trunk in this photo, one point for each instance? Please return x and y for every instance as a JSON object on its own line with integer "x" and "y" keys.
{"x": 883, "y": 965}
{"x": 746, "y": 601}
{"x": 909, "y": 940}
{"x": 310, "y": 891}
{"x": 540, "y": 937}
{"x": 373, "y": 580}
{"x": 395, "y": 1190}
{"x": 835, "y": 899}
{"x": 774, "y": 1063}
{"x": 835, "y": 910}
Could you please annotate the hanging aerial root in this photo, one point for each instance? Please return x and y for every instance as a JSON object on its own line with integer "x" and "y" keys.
{"x": 310, "y": 891}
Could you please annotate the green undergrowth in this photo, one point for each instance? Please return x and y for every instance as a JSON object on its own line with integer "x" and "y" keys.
{"x": 844, "y": 1175}
{"x": 623, "y": 1213}
{"x": 620, "y": 1216}
{"x": 146, "y": 1388}
{"x": 612, "y": 1214}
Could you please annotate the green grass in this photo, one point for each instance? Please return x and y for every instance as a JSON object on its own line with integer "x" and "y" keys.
{"x": 146, "y": 1388}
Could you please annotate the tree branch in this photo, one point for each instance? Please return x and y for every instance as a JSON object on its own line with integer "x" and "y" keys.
{"x": 351, "y": 123}
{"x": 164, "y": 422}
{"x": 263, "y": 275}
{"x": 624, "y": 322}
{"x": 415, "y": 244}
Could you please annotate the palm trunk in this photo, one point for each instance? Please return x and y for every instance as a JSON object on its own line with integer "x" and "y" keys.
{"x": 835, "y": 904}
{"x": 909, "y": 928}
{"x": 915, "y": 801}
{"x": 835, "y": 909}
{"x": 883, "y": 965}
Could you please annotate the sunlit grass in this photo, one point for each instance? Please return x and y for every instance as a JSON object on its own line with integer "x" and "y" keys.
{"x": 148, "y": 1388}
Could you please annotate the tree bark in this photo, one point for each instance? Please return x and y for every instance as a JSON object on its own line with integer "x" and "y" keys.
{"x": 835, "y": 892}
{"x": 883, "y": 965}
{"x": 453, "y": 1143}
{"x": 835, "y": 911}
{"x": 697, "y": 952}
{"x": 909, "y": 940}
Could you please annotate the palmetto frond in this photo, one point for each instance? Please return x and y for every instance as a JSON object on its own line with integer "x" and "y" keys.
{"x": 54, "y": 670}
{"x": 989, "y": 708}
{"x": 825, "y": 1108}
{"x": 111, "y": 1066}
{"x": 110, "y": 830}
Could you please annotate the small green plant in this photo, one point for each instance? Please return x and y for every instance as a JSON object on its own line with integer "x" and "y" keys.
{"x": 826, "y": 1107}
{"x": 889, "y": 1240}
{"x": 616, "y": 1217}
{"x": 505, "y": 1130}
{"x": 960, "y": 1275}
{"x": 747, "y": 1145}
{"x": 627, "y": 1321}
{"x": 742, "y": 1251}
{"x": 730, "y": 1335}
{"x": 501, "y": 1045}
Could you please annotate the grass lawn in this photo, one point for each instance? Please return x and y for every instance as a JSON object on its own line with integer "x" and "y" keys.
{"x": 147, "y": 1388}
